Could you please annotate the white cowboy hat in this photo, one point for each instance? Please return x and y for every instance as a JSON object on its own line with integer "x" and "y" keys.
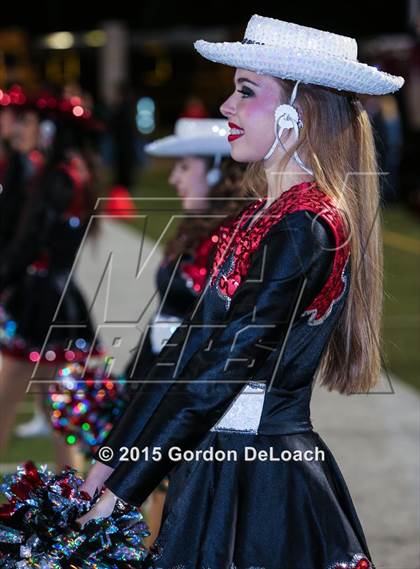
{"x": 289, "y": 51}
{"x": 198, "y": 137}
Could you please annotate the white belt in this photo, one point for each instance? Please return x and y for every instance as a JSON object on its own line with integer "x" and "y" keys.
{"x": 244, "y": 413}
{"x": 161, "y": 329}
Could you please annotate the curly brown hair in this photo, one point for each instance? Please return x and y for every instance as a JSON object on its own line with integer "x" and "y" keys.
{"x": 227, "y": 199}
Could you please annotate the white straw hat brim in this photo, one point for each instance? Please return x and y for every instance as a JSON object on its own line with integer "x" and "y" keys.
{"x": 305, "y": 65}
{"x": 175, "y": 146}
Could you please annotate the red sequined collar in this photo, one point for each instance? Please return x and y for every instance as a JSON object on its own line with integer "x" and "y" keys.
{"x": 237, "y": 242}
{"x": 196, "y": 271}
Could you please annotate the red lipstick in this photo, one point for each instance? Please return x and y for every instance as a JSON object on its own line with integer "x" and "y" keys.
{"x": 235, "y": 132}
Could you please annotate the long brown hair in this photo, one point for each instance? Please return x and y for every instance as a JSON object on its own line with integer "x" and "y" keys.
{"x": 225, "y": 203}
{"x": 336, "y": 141}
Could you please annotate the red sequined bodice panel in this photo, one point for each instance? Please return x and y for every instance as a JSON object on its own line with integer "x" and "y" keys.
{"x": 196, "y": 271}
{"x": 236, "y": 244}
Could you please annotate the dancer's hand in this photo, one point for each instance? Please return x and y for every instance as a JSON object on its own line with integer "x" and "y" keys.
{"x": 95, "y": 478}
{"x": 102, "y": 509}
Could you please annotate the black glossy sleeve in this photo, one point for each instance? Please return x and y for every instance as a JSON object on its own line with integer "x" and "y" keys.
{"x": 287, "y": 271}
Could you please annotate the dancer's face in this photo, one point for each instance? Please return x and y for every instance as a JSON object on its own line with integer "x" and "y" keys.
{"x": 26, "y": 134}
{"x": 7, "y": 123}
{"x": 250, "y": 112}
{"x": 189, "y": 178}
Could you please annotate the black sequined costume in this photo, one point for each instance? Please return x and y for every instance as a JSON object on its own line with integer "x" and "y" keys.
{"x": 46, "y": 220}
{"x": 238, "y": 374}
{"x": 179, "y": 283}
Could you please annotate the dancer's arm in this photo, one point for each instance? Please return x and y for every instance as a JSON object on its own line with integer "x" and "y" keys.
{"x": 290, "y": 267}
{"x": 96, "y": 478}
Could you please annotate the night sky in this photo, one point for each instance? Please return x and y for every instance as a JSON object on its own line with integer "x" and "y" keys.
{"x": 355, "y": 17}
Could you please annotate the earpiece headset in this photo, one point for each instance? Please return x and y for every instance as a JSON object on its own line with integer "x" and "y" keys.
{"x": 286, "y": 117}
{"x": 214, "y": 175}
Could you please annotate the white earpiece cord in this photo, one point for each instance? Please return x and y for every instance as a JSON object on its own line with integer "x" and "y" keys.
{"x": 214, "y": 175}
{"x": 286, "y": 117}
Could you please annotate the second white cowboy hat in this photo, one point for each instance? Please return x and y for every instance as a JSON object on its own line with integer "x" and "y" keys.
{"x": 197, "y": 137}
{"x": 290, "y": 51}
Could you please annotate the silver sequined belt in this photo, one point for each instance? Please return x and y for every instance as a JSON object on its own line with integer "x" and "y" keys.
{"x": 244, "y": 413}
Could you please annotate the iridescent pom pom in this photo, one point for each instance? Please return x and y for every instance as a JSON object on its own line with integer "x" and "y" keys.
{"x": 38, "y": 525}
{"x": 85, "y": 403}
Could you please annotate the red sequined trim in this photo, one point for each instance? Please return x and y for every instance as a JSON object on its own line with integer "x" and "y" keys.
{"x": 40, "y": 265}
{"x": 76, "y": 207}
{"x": 238, "y": 243}
{"x": 358, "y": 562}
{"x": 37, "y": 160}
{"x": 197, "y": 270}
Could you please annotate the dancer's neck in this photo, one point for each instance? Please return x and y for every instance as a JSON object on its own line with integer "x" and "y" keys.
{"x": 278, "y": 182}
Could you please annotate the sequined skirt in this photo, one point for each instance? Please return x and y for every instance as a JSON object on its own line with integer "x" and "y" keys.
{"x": 38, "y": 322}
{"x": 254, "y": 502}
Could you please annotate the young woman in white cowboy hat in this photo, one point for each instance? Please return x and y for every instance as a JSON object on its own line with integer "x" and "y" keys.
{"x": 294, "y": 295}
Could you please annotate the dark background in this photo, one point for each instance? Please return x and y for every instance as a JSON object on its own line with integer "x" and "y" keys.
{"x": 356, "y": 18}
